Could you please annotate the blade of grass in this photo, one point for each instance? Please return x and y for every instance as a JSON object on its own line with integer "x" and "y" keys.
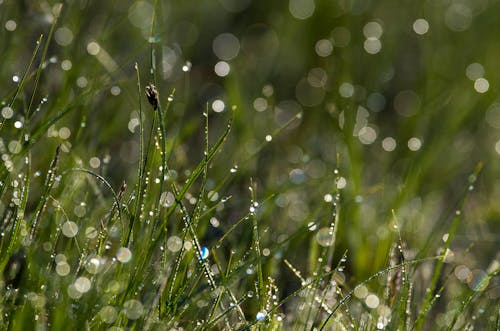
{"x": 437, "y": 270}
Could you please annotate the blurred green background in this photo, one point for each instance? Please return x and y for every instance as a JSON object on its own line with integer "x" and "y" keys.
{"x": 400, "y": 96}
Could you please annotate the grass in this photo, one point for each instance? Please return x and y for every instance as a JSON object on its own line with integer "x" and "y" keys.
{"x": 343, "y": 175}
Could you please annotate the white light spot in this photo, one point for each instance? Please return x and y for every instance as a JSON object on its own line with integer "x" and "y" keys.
{"x": 115, "y": 90}
{"x": 346, "y": 90}
{"x": 174, "y": 244}
{"x": 497, "y": 147}
{"x": 226, "y": 46}
{"x": 133, "y": 309}
{"x": 389, "y": 144}
{"x": 123, "y": 255}
{"x": 222, "y": 68}
{"x": 91, "y": 232}
{"x": 95, "y": 162}
{"x": 66, "y": 65}
{"x": 301, "y": 9}
{"x": 82, "y": 284}
{"x": 214, "y": 222}
{"x": 7, "y": 112}
{"x": 70, "y": 229}
{"x": 14, "y": 147}
{"x": 372, "y": 45}
{"x": 372, "y": 301}
{"x": 140, "y": 13}
{"x": 367, "y": 135}
{"x": 63, "y": 36}
{"x": 108, "y": 314}
{"x": 481, "y": 85}
{"x": 458, "y": 16}
{"x": 260, "y": 104}
{"x": 260, "y": 316}
{"x": 323, "y": 47}
{"x": 82, "y": 82}
{"x": 218, "y": 106}
{"x": 187, "y": 67}
{"x": 268, "y": 90}
{"x": 414, "y": 144}
{"x": 133, "y": 124}
{"x": 93, "y": 48}
{"x": 420, "y": 26}
{"x": 269, "y": 138}
{"x": 474, "y": 71}
{"x": 63, "y": 268}
{"x": 10, "y": 25}
{"x": 373, "y": 30}
{"x": 64, "y": 133}
{"x": 341, "y": 183}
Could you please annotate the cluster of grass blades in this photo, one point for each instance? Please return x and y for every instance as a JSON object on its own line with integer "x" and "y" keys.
{"x": 150, "y": 254}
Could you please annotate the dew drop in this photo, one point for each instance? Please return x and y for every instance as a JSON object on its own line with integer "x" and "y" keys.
{"x": 312, "y": 226}
{"x": 324, "y": 237}
{"x": 204, "y": 252}
{"x": 187, "y": 67}
{"x": 260, "y": 316}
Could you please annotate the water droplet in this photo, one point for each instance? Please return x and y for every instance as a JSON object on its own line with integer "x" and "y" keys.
{"x": 478, "y": 280}
{"x": 187, "y": 67}
{"x": 445, "y": 237}
{"x": 324, "y": 237}
{"x": 204, "y": 252}
{"x": 260, "y": 316}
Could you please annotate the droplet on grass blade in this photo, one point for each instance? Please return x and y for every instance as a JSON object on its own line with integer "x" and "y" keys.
{"x": 204, "y": 252}
{"x": 324, "y": 237}
{"x": 260, "y": 316}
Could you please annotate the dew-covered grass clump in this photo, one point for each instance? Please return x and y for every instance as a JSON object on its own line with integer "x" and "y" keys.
{"x": 249, "y": 165}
